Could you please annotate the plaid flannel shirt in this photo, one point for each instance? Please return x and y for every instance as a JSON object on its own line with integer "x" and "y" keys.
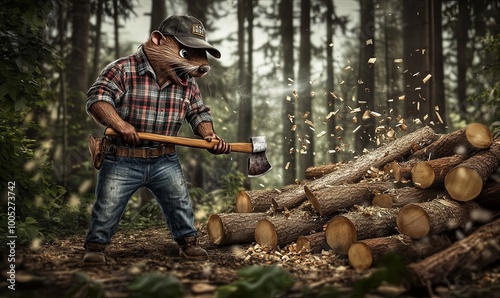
{"x": 129, "y": 85}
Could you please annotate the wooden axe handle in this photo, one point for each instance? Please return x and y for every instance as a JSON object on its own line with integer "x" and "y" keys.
{"x": 194, "y": 143}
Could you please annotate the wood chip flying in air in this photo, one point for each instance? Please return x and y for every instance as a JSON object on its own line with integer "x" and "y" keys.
{"x": 356, "y": 129}
{"x": 288, "y": 98}
{"x": 309, "y": 122}
{"x": 402, "y": 97}
{"x": 439, "y": 117}
{"x": 366, "y": 115}
{"x": 375, "y": 114}
{"x": 290, "y": 80}
{"x": 398, "y": 60}
{"x": 372, "y": 60}
{"x": 348, "y": 67}
{"x": 427, "y": 77}
{"x": 295, "y": 94}
{"x": 322, "y": 133}
{"x": 369, "y": 41}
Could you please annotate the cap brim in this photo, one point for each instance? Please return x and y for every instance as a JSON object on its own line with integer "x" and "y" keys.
{"x": 198, "y": 44}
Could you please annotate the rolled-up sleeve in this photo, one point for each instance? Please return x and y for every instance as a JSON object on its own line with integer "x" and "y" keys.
{"x": 108, "y": 87}
{"x": 198, "y": 111}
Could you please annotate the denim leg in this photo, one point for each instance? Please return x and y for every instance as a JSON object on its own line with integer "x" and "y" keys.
{"x": 168, "y": 185}
{"x": 117, "y": 181}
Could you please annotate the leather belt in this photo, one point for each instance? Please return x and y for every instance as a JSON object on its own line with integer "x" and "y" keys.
{"x": 145, "y": 152}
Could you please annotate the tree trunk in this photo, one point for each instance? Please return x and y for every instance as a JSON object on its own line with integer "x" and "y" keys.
{"x": 290, "y": 199}
{"x": 354, "y": 171}
{"x": 306, "y": 148}
{"x": 330, "y": 81}
{"x": 467, "y": 140}
{"x": 97, "y": 40}
{"x": 368, "y": 222}
{"x": 280, "y": 230}
{"x": 366, "y": 75}
{"x": 418, "y": 220}
{"x": 400, "y": 197}
{"x": 288, "y": 148}
{"x": 158, "y": 14}
{"x": 331, "y": 199}
{"x": 116, "y": 25}
{"x": 231, "y": 228}
{"x": 474, "y": 252}
{"x": 361, "y": 256}
{"x": 465, "y": 181}
{"x": 432, "y": 172}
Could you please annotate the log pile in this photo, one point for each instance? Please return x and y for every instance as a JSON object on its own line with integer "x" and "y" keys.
{"x": 426, "y": 187}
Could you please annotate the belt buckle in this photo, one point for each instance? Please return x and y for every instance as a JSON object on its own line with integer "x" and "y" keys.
{"x": 149, "y": 152}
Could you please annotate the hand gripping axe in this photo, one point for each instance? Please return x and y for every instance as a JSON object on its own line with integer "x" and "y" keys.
{"x": 258, "y": 164}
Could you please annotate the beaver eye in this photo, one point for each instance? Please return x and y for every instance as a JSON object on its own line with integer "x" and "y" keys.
{"x": 183, "y": 53}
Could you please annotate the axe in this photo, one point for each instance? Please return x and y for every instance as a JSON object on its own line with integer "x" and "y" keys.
{"x": 258, "y": 164}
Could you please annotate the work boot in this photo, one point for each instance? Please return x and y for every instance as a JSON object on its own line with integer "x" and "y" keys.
{"x": 94, "y": 254}
{"x": 189, "y": 249}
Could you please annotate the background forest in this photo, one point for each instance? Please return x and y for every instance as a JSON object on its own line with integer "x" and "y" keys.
{"x": 321, "y": 85}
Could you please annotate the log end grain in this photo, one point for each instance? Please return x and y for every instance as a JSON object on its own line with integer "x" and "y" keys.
{"x": 265, "y": 234}
{"x": 215, "y": 229}
{"x": 463, "y": 184}
{"x": 360, "y": 256}
{"x": 382, "y": 200}
{"x": 413, "y": 221}
{"x": 303, "y": 243}
{"x": 422, "y": 175}
{"x": 243, "y": 203}
{"x": 340, "y": 233}
{"x": 314, "y": 201}
{"x": 479, "y": 135}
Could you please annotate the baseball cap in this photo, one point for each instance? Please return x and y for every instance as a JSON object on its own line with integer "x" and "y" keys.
{"x": 189, "y": 31}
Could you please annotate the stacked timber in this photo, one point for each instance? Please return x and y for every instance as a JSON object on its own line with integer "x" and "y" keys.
{"x": 433, "y": 184}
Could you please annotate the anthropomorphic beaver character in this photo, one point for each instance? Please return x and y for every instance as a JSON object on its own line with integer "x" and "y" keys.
{"x": 152, "y": 91}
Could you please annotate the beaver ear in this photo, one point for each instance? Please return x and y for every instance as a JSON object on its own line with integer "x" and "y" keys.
{"x": 156, "y": 37}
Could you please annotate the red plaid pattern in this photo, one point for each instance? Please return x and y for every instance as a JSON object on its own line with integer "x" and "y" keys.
{"x": 129, "y": 84}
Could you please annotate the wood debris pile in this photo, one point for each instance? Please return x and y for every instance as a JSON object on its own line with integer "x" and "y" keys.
{"x": 405, "y": 196}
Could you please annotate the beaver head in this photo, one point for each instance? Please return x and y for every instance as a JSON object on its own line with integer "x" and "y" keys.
{"x": 173, "y": 61}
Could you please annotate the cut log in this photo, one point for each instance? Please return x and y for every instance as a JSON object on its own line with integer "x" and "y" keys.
{"x": 354, "y": 171}
{"x": 418, "y": 220}
{"x": 280, "y": 230}
{"x": 367, "y": 222}
{"x": 331, "y": 199}
{"x": 406, "y": 247}
{"x": 401, "y": 171}
{"x": 313, "y": 243}
{"x": 474, "y": 252}
{"x": 255, "y": 200}
{"x": 320, "y": 171}
{"x": 432, "y": 172}
{"x": 490, "y": 196}
{"x": 469, "y": 139}
{"x": 400, "y": 197}
{"x": 360, "y": 256}
{"x": 290, "y": 198}
{"x": 232, "y": 228}
{"x": 465, "y": 181}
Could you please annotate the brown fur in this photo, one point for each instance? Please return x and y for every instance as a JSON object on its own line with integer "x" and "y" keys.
{"x": 168, "y": 64}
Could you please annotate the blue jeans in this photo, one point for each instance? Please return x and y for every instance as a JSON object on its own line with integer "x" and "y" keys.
{"x": 120, "y": 177}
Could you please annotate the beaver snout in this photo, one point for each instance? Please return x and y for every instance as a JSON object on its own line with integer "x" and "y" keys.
{"x": 203, "y": 69}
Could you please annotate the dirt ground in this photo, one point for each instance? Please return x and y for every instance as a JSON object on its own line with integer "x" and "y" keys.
{"x": 51, "y": 270}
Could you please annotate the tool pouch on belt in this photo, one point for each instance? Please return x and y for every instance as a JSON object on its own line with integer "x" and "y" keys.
{"x": 96, "y": 151}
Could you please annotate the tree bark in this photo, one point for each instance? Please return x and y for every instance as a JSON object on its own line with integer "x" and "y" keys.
{"x": 331, "y": 199}
{"x": 320, "y": 171}
{"x": 432, "y": 172}
{"x": 401, "y": 171}
{"x": 231, "y": 228}
{"x": 368, "y": 222}
{"x": 280, "y": 230}
{"x": 467, "y": 140}
{"x": 418, "y": 220}
{"x": 474, "y": 252}
{"x": 403, "y": 245}
{"x": 354, "y": 171}
{"x": 465, "y": 181}
{"x": 255, "y": 200}
{"x": 400, "y": 197}
{"x": 490, "y": 196}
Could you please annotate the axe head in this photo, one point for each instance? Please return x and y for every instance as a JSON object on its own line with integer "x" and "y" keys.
{"x": 258, "y": 164}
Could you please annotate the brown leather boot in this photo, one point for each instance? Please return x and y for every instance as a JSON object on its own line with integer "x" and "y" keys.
{"x": 189, "y": 249}
{"x": 94, "y": 254}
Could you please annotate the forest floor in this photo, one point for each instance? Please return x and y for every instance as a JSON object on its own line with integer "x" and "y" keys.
{"x": 55, "y": 268}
